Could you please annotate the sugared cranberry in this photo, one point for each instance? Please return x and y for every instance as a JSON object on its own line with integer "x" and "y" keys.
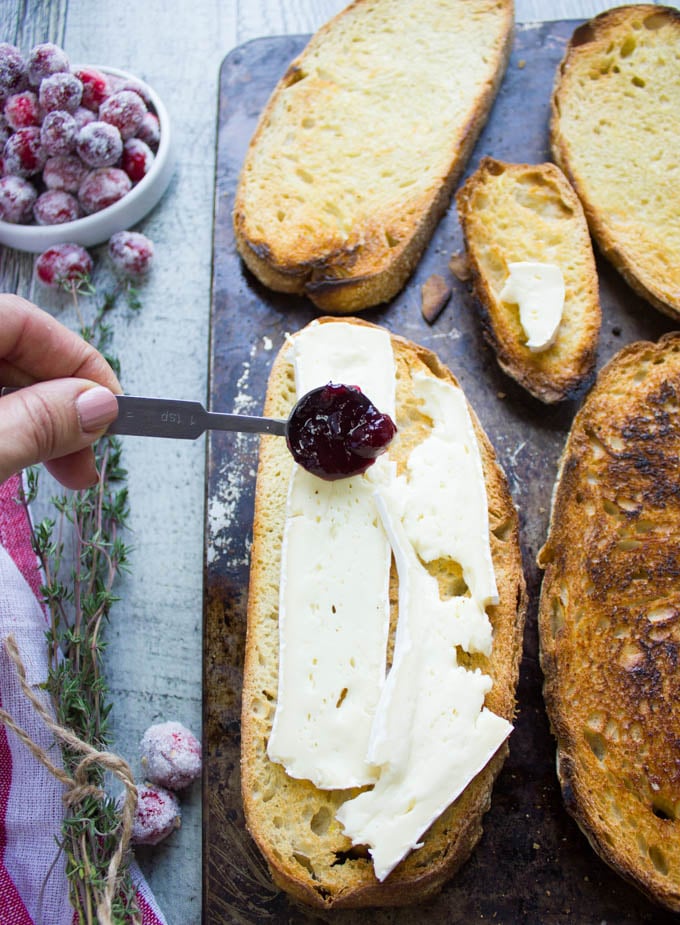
{"x": 44, "y": 60}
{"x": 99, "y": 144}
{"x": 335, "y": 431}
{"x": 103, "y": 187}
{"x": 150, "y": 130}
{"x": 22, "y": 109}
{"x": 60, "y": 91}
{"x": 157, "y": 816}
{"x": 83, "y": 117}
{"x": 171, "y": 755}
{"x": 64, "y": 171}
{"x": 63, "y": 264}
{"x": 12, "y": 70}
{"x": 125, "y": 109}
{"x": 137, "y": 159}
{"x": 95, "y": 87}
{"x": 24, "y": 154}
{"x": 16, "y": 199}
{"x": 55, "y": 207}
{"x": 131, "y": 253}
{"x": 58, "y": 132}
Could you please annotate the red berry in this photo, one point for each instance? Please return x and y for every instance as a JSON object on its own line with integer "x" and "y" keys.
{"x": 99, "y": 144}
{"x": 46, "y": 59}
{"x": 95, "y": 87}
{"x": 157, "y": 816}
{"x": 16, "y": 199}
{"x": 55, "y": 207}
{"x": 171, "y": 755}
{"x": 83, "y": 117}
{"x": 63, "y": 264}
{"x": 60, "y": 91}
{"x": 21, "y": 110}
{"x": 150, "y": 130}
{"x": 103, "y": 187}
{"x": 58, "y": 132}
{"x": 12, "y": 70}
{"x": 24, "y": 154}
{"x": 64, "y": 171}
{"x": 131, "y": 253}
{"x": 125, "y": 109}
{"x": 137, "y": 159}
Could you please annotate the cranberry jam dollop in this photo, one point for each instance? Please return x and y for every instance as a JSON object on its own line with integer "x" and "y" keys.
{"x": 335, "y": 431}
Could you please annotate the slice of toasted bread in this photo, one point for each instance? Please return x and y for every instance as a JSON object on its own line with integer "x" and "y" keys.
{"x": 615, "y": 132}
{"x": 522, "y": 212}
{"x": 357, "y": 153}
{"x": 292, "y": 821}
{"x": 609, "y": 617}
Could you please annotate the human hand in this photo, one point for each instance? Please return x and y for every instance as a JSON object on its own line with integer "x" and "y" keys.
{"x": 69, "y": 401}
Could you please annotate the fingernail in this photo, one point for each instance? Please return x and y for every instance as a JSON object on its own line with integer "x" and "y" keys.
{"x": 96, "y": 408}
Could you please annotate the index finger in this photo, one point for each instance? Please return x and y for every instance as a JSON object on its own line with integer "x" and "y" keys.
{"x": 34, "y": 346}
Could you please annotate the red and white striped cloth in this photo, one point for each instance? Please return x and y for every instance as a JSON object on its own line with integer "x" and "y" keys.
{"x": 33, "y": 885}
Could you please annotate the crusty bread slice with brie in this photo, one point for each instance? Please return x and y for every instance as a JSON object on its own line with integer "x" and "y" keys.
{"x": 533, "y": 273}
{"x": 358, "y": 151}
{"x": 609, "y": 617}
{"x": 615, "y": 132}
{"x": 385, "y": 621}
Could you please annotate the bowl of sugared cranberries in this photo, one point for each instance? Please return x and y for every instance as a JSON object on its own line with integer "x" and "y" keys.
{"x": 85, "y": 151}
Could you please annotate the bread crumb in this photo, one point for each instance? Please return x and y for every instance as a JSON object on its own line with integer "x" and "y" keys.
{"x": 435, "y": 293}
{"x": 460, "y": 267}
{"x": 521, "y": 63}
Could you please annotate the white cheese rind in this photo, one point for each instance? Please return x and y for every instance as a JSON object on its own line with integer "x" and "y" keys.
{"x": 334, "y": 593}
{"x": 538, "y": 289}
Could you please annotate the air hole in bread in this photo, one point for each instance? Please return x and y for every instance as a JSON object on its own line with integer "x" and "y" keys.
{"x": 320, "y": 821}
{"x": 663, "y": 809}
{"x": 638, "y": 81}
{"x": 655, "y": 21}
{"x": 355, "y": 853}
{"x": 661, "y": 613}
{"x": 503, "y": 531}
{"x": 556, "y": 616}
{"x": 658, "y": 859}
{"x": 596, "y": 743}
{"x": 449, "y": 576}
{"x": 304, "y": 861}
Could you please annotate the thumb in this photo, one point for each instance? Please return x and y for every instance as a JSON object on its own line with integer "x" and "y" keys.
{"x": 50, "y": 420}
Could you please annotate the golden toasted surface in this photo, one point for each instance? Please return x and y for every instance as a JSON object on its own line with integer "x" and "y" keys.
{"x": 523, "y": 212}
{"x": 292, "y": 821}
{"x": 356, "y": 154}
{"x": 615, "y": 131}
{"x": 609, "y": 617}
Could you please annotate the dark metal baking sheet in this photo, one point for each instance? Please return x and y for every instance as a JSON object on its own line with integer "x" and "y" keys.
{"x": 532, "y": 865}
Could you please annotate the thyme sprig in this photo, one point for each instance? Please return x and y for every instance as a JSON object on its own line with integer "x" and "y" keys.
{"x": 82, "y": 551}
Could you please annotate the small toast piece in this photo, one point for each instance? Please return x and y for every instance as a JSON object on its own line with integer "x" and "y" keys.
{"x": 609, "y": 617}
{"x": 522, "y": 212}
{"x": 292, "y": 821}
{"x": 615, "y": 132}
{"x": 360, "y": 146}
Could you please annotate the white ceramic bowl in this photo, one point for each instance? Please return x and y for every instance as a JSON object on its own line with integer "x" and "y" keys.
{"x": 97, "y": 228}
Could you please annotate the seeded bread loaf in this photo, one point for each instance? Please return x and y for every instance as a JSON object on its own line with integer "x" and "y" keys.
{"x": 292, "y": 821}
{"x": 615, "y": 132}
{"x": 357, "y": 153}
{"x": 609, "y": 617}
{"x": 521, "y": 212}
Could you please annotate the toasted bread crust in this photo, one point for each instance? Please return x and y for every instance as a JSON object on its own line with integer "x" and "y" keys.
{"x": 609, "y": 617}
{"x": 524, "y": 212}
{"x": 292, "y": 822}
{"x": 614, "y": 131}
{"x": 360, "y": 146}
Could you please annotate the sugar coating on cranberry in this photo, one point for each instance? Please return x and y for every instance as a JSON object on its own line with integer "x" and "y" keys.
{"x": 13, "y": 70}
{"x": 99, "y": 144}
{"x": 149, "y": 130}
{"x": 125, "y": 109}
{"x": 60, "y": 91}
{"x": 103, "y": 187}
{"x": 157, "y": 815}
{"x": 44, "y": 60}
{"x": 64, "y": 171}
{"x": 83, "y": 117}
{"x": 23, "y": 153}
{"x": 17, "y": 196}
{"x": 96, "y": 87}
{"x": 131, "y": 253}
{"x": 137, "y": 159}
{"x": 63, "y": 264}
{"x": 58, "y": 132}
{"x": 171, "y": 755}
{"x": 22, "y": 109}
{"x": 55, "y": 206}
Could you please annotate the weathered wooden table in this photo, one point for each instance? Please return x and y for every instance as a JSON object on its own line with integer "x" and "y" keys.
{"x": 154, "y": 660}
